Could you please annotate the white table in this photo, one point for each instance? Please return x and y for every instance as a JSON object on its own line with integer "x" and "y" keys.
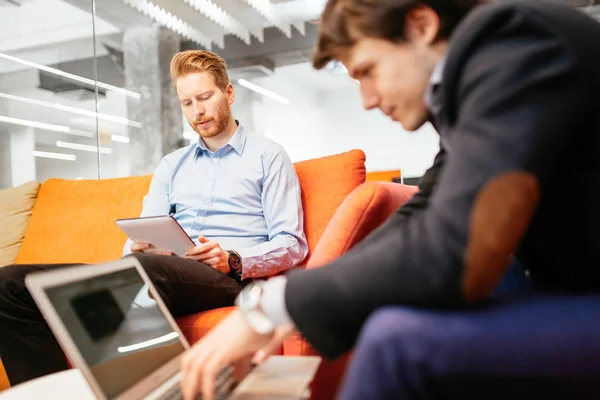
{"x": 67, "y": 385}
{"x": 279, "y": 378}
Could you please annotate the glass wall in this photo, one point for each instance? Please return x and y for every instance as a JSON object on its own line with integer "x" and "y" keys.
{"x": 47, "y": 92}
{"x": 63, "y": 105}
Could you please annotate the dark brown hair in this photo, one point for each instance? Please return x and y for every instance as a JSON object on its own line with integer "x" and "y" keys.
{"x": 187, "y": 62}
{"x": 342, "y": 20}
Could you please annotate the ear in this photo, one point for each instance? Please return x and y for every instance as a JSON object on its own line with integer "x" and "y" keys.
{"x": 230, "y": 93}
{"x": 422, "y": 25}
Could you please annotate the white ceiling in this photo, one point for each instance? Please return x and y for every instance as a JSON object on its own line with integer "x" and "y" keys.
{"x": 12, "y": 3}
{"x": 305, "y": 76}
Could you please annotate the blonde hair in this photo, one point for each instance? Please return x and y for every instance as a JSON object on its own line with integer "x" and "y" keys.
{"x": 190, "y": 61}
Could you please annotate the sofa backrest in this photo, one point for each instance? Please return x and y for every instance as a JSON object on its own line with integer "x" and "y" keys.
{"x": 325, "y": 183}
{"x": 73, "y": 221}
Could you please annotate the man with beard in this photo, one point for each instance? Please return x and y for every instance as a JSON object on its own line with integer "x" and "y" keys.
{"x": 225, "y": 190}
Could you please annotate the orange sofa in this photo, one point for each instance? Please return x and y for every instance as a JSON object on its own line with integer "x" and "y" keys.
{"x": 73, "y": 220}
{"x": 83, "y": 212}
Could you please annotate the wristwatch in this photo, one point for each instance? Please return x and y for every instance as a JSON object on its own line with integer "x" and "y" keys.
{"x": 248, "y": 302}
{"x": 235, "y": 262}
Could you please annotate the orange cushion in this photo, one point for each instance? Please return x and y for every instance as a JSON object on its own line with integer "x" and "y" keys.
{"x": 325, "y": 183}
{"x": 73, "y": 221}
{"x": 197, "y": 325}
{"x": 367, "y": 207}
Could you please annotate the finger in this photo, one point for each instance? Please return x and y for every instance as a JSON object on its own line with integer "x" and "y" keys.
{"x": 213, "y": 262}
{"x": 273, "y": 345}
{"x": 263, "y": 354}
{"x": 189, "y": 384}
{"x": 187, "y": 358}
{"x": 209, "y": 377}
{"x": 202, "y": 239}
{"x": 162, "y": 253}
{"x": 192, "y": 375}
{"x": 203, "y": 248}
{"x": 214, "y": 253}
{"x": 139, "y": 246}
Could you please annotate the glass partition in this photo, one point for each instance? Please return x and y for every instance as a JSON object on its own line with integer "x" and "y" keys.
{"x": 47, "y": 92}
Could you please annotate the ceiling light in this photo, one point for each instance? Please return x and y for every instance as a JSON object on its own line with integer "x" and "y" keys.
{"x": 83, "y": 147}
{"x": 74, "y": 110}
{"x": 263, "y": 91}
{"x": 72, "y": 76}
{"x": 119, "y": 138}
{"x": 105, "y": 117}
{"x": 33, "y": 124}
{"x": 46, "y": 127}
{"x": 55, "y": 156}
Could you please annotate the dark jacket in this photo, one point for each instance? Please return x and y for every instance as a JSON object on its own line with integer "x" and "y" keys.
{"x": 519, "y": 92}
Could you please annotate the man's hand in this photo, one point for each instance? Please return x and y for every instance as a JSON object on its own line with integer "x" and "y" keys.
{"x": 211, "y": 253}
{"x": 139, "y": 247}
{"x": 231, "y": 342}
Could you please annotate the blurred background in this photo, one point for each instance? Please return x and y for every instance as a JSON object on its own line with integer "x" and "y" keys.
{"x": 85, "y": 91}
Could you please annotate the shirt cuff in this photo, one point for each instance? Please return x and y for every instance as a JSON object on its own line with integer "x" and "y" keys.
{"x": 273, "y": 301}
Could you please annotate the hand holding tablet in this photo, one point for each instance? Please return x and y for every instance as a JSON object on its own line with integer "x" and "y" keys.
{"x": 162, "y": 232}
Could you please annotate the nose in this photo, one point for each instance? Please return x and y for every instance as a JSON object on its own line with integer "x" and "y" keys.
{"x": 369, "y": 97}
{"x": 198, "y": 109}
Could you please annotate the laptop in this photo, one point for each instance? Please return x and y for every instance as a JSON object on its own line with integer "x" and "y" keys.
{"x": 112, "y": 324}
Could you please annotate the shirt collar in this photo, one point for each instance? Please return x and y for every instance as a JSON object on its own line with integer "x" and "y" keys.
{"x": 435, "y": 80}
{"x": 237, "y": 141}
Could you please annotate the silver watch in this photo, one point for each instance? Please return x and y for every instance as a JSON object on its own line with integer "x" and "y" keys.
{"x": 248, "y": 301}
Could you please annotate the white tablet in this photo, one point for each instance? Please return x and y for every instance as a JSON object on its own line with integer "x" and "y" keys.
{"x": 163, "y": 232}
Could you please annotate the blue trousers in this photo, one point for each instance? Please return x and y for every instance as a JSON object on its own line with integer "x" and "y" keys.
{"x": 525, "y": 346}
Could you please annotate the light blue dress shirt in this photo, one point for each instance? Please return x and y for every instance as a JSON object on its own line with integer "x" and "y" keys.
{"x": 245, "y": 196}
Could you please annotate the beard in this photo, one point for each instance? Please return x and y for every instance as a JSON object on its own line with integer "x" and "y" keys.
{"x": 217, "y": 125}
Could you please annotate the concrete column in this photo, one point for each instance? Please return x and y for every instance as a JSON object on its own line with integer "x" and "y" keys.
{"x": 5, "y": 181}
{"x": 147, "y": 55}
{"x": 17, "y": 162}
{"x": 22, "y": 160}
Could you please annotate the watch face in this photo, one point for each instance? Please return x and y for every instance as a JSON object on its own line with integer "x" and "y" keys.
{"x": 234, "y": 262}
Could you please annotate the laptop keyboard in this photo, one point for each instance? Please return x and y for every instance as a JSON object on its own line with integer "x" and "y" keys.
{"x": 224, "y": 385}
{"x": 173, "y": 394}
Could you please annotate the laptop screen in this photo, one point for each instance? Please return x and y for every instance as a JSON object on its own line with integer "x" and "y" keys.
{"x": 118, "y": 328}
